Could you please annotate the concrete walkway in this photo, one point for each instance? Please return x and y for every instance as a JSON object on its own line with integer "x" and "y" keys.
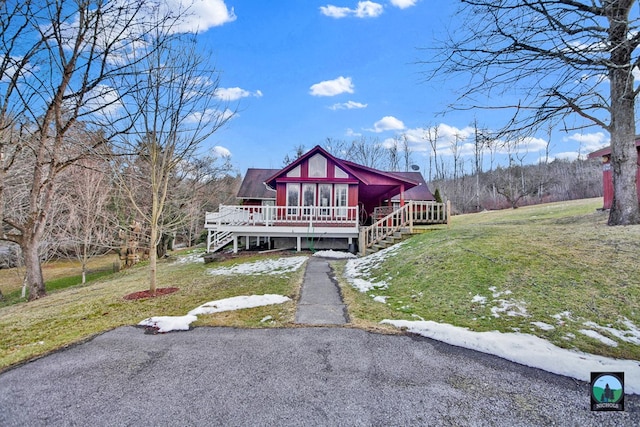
{"x": 320, "y": 300}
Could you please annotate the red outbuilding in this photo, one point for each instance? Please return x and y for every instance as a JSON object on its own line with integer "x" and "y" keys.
{"x": 607, "y": 173}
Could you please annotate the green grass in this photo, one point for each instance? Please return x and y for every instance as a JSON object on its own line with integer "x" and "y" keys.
{"x": 54, "y": 285}
{"x": 79, "y": 312}
{"x": 541, "y": 261}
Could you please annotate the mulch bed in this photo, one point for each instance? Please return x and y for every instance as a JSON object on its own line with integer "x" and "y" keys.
{"x": 147, "y": 293}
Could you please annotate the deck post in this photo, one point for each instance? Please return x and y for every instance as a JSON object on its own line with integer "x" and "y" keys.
{"x": 208, "y": 240}
{"x": 410, "y": 216}
{"x": 448, "y": 212}
{"x": 299, "y": 243}
{"x": 235, "y": 244}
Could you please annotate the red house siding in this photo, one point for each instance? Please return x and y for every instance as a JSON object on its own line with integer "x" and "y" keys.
{"x": 607, "y": 174}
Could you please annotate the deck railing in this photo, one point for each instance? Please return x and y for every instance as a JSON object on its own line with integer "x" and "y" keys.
{"x": 412, "y": 213}
{"x": 269, "y": 216}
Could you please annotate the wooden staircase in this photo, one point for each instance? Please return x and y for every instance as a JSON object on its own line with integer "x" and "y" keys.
{"x": 217, "y": 240}
{"x": 400, "y": 224}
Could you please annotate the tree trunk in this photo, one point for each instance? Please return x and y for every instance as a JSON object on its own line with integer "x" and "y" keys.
{"x": 624, "y": 156}
{"x": 153, "y": 259}
{"x": 34, "y": 278}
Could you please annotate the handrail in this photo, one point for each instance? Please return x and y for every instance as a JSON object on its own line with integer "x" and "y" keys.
{"x": 269, "y": 216}
{"x": 385, "y": 227}
{"x": 413, "y": 212}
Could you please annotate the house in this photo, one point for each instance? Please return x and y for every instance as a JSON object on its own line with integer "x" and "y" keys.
{"x": 607, "y": 174}
{"x": 322, "y": 202}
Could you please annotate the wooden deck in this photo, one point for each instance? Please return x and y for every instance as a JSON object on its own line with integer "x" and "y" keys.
{"x": 233, "y": 222}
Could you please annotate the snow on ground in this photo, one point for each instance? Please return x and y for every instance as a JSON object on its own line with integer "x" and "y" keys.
{"x": 191, "y": 258}
{"x": 182, "y": 323}
{"x": 479, "y": 298}
{"x": 334, "y": 254}
{"x": 631, "y": 335}
{"x": 593, "y": 334}
{"x": 267, "y": 266}
{"x": 358, "y": 267}
{"x": 237, "y": 303}
{"x": 527, "y": 350}
{"x": 169, "y": 323}
{"x": 543, "y": 326}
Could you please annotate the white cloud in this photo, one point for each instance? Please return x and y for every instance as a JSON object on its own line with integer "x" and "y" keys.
{"x": 589, "y": 142}
{"x": 368, "y": 9}
{"x": 332, "y": 87}
{"x": 335, "y": 11}
{"x": 211, "y": 115}
{"x": 221, "y": 151}
{"x": 351, "y": 133}
{"x": 365, "y": 9}
{"x": 403, "y": 4}
{"x": 201, "y": 15}
{"x": 567, "y": 155}
{"x": 349, "y": 105}
{"x": 235, "y": 93}
{"x": 103, "y": 101}
{"x": 387, "y": 123}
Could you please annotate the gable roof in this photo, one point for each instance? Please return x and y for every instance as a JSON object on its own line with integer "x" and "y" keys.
{"x": 360, "y": 172}
{"x": 259, "y": 184}
{"x": 315, "y": 150}
{"x": 419, "y": 192}
{"x": 253, "y": 185}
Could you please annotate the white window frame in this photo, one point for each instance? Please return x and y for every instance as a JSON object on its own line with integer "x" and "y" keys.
{"x": 292, "y": 210}
{"x": 341, "y": 199}
{"x": 317, "y": 166}
{"x": 308, "y": 209}
{"x": 325, "y": 203}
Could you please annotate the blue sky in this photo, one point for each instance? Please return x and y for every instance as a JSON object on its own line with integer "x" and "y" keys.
{"x": 303, "y": 71}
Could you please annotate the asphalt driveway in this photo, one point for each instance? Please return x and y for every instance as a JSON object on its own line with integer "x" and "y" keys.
{"x": 297, "y": 376}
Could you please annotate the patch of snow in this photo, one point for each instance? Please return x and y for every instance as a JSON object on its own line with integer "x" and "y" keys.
{"x": 182, "y": 323}
{"x": 527, "y": 350}
{"x": 479, "y": 298}
{"x": 266, "y": 319}
{"x": 237, "y": 303}
{"x": 563, "y": 315}
{"x": 169, "y": 323}
{"x": 380, "y": 298}
{"x": 334, "y": 254}
{"x": 268, "y": 266}
{"x": 357, "y": 270}
{"x": 543, "y": 326}
{"x": 604, "y": 340}
{"x": 510, "y": 308}
{"x": 191, "y": 258}
{"x": 497, "y": 293}
{"x": 632, "y": 335}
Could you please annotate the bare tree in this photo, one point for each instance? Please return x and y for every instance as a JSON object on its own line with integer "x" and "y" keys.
{"x": 56, "y": 60}
{"x": 406, "y": 153}
{"x": 479, "y": 144}
{"x": 174, "y": 111}
{"x": 432, "y": 138}
{"x": 393, "y": 155}
{"x": 90, "y": 225}
{"x": 551, "y": 59}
